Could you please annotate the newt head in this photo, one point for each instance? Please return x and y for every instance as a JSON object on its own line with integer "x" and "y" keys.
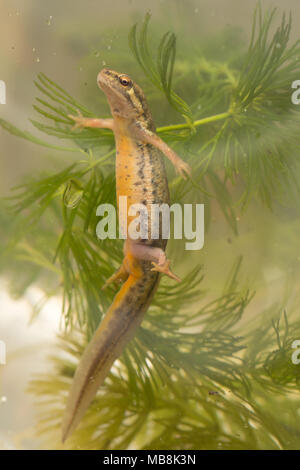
{"x": 125, "y": 97}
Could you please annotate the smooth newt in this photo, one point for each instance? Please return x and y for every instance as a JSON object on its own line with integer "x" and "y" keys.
{"x": 141, "y": 176}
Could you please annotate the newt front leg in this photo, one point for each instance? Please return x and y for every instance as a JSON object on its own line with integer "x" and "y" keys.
{"x": 149, "y": 137}
{"x": 81, "y": 122}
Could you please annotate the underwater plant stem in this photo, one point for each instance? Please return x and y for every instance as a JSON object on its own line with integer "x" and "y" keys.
{"x": 98, "y": 161}
{"x": 199, "y": 122}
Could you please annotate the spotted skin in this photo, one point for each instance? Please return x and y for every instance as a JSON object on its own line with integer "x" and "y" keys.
{"x": 141, "y": 177}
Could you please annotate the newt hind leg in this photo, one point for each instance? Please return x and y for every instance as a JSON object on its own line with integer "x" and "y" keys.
{"x": 164, "y": 268}
{"x": 150, "y": 253}
{"x": 119, "y": 276}
{"x": 129, "y": 267}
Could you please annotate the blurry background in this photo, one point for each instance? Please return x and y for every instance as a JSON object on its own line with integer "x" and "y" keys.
{"x": 70, "y": 41}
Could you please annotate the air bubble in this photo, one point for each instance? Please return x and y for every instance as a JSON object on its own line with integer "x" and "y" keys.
{"x": 73, "y": 193}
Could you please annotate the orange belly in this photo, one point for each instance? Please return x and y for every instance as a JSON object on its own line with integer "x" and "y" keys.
{"x": 140, "y": 176}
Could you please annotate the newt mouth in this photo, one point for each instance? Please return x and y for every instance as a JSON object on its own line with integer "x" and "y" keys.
{"x": 102, "y": 77}
{"x": 105, "y": 76}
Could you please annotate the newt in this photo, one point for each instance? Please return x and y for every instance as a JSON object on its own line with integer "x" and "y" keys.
{"x": 141, "y": 177}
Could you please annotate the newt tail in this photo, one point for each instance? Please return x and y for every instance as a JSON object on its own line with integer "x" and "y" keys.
{"x": 117, "y": 328}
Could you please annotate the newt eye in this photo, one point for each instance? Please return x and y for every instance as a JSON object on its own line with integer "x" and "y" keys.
{"x": 124, "y": 80}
